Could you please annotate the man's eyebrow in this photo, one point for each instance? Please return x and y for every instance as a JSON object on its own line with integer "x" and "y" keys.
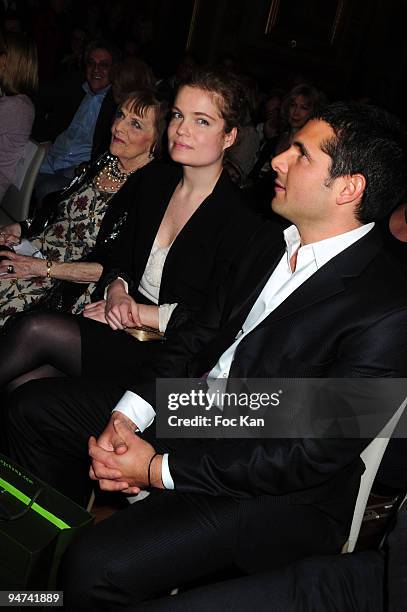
{"x": 302, "y": 149}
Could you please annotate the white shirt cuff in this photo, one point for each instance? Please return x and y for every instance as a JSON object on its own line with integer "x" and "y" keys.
{"x": 135, "y": 408}
{"x": 125, "y": 283}
{"x": 164, "y": 314}
{"x": 166, "y": 474}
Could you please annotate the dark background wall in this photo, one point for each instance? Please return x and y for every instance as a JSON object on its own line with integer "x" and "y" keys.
{"x": 355, "y": 48}
{"x": 350, "y": 47}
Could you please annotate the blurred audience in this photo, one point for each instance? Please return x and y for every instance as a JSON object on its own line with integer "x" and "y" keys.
{"x": 269, "y": 130}
{"x": 15, "y": 15}
{"x": 73, "y": 60}
{"x": 394, "y": 231}
{"x": 51, "y": 31}
{"x": 240, "y": 158}
{"x": 131, "y": 74}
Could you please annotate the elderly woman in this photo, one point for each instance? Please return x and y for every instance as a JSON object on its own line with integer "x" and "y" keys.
{"x": 18, "y": 81}
{"x": 74, "y": 241}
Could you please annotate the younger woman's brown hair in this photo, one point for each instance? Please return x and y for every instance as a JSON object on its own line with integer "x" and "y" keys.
{"x": 227, "y": 90}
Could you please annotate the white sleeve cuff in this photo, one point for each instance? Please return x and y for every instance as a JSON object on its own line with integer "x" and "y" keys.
{"x": 135, "y": 408}
{"x": 125, "y": 283}
{"x": 166, "y": 474}
{"x": 164, "y": 315}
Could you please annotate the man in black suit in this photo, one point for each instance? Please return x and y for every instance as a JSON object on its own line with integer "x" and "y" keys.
{"x": 330, "y": 304}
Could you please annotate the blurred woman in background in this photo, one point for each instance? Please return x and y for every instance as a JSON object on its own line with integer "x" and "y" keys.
{"x": 297, "y": 107}
{"x": 18, "y": 82}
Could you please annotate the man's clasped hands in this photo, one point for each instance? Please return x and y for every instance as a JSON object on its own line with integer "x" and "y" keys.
{"x": 121, "y": 460}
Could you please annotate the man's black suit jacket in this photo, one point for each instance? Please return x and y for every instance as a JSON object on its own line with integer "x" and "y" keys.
{"x": 348, "y": 320}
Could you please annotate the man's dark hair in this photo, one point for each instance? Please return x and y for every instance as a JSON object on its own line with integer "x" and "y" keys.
{"x": 368, "y": 141}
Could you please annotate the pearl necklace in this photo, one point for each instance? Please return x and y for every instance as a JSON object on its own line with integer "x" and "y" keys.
{"x": 113, "y": 174}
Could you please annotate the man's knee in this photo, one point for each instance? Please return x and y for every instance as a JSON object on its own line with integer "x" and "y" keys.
{"x": 43, "y": 437}
{"x": 80, "y": 576}
{"x": 91, "y": 579}
{"x": 23, "y": 415}
{"x": 31, "y": 399}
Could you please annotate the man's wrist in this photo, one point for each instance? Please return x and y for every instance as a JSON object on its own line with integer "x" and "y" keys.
{"x": 155, "y": 472}
{"x": 120, "y": 416}
{"x": 137, "y": 409}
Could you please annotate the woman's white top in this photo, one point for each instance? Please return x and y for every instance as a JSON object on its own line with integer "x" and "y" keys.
{"x": 151, "y": 281}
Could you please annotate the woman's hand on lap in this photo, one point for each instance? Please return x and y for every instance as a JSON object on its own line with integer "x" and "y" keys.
{"x": 23, "y": 267}
{"x": 122, "y": 311}
{"x": 10, "y": 234}
{"x": 96, "y": 311}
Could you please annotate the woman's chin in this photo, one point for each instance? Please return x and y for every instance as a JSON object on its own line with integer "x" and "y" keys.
{"x": 116, "y": 149}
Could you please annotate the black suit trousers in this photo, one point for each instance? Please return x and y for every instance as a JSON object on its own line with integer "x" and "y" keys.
{"x": 166, "y": 540}
{"x": 351, "y": 583}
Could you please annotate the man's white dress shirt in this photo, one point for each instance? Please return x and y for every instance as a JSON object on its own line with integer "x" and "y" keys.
{"x": 281, "y": 284}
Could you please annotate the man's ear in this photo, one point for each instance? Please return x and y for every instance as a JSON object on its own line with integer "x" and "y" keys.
{"x": 230, "y": 138}
{"x": 352, "y": 189}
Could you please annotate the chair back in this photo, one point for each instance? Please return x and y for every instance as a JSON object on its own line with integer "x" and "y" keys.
{"x": 15, "y": 205}
{"x": 371, "y": 457}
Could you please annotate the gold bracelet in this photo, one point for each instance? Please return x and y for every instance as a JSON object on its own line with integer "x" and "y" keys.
{"x": 49, "y": 266}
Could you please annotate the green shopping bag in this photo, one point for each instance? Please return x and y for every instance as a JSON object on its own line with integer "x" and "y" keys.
{"x": 36, "y": 525}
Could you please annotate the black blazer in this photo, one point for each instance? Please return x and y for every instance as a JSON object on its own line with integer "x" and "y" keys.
{"x": 348, "y": 320}
{"x": 200, "y": 258}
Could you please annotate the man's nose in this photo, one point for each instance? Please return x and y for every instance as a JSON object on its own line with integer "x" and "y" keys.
{"x": 279, "y": 163}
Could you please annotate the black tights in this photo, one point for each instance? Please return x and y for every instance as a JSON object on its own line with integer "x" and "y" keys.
{"x": 39, "y": 345}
